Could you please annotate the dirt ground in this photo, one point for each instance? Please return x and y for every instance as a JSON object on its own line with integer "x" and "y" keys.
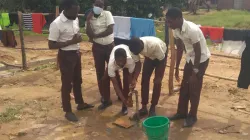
{"x": 30, "y": 103}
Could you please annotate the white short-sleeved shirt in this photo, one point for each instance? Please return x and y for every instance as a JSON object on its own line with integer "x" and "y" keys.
{"x": 62, "y": 30}
{"x": 191, "y": 34}
{"x": 113, "y": 67}
{"x": 100, "y": 24}
{"x": 154, "y": 48}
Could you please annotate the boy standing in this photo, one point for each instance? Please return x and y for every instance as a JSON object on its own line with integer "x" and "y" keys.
{"x": 64, "y": 36}
{"x": 100, "y": 26}
{"x": 190, "y": 38}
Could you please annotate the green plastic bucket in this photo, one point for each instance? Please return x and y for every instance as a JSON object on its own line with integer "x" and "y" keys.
{"x": 156, "y": 128}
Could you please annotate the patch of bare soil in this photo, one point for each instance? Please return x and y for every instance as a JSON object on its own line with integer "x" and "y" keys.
{"x": 31, "y": 104}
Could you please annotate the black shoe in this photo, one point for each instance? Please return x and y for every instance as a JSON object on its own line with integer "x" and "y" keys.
{"x": 105, "y": 105}
{"x": 190, "y": 121}
{"x": 84, "y": 106}
{"x": 119, "y": 99}
{"x": 124, "y": 111}
{"x": 142, "y": 113}
{"x": 177, "y": 117}
{"x": 71, "y": 117}
{"x": 152, "y": 112}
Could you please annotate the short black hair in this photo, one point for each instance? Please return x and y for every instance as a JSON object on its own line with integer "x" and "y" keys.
{"x": 104, "y": 1}
{"x": 120, "y": 53}
{"x": 67, "y": 4}
{"x": 174, "y": 13}
{"x": 135, "y": 45}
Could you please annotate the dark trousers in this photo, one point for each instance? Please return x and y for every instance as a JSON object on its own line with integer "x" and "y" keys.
{"x": 71, "y": 76}
{"x": 8, "y": 38}
{"x": 101, "y": 55}
{"x": 244, "y": 77}
{"x": 148, "y": 67}
{"x": 187, "y": 94}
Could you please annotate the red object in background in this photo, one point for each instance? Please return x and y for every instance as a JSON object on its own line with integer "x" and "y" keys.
{"x": 205, "y": 31}
{"x": 38, "y": 22}
{"x": 216, "y": 34}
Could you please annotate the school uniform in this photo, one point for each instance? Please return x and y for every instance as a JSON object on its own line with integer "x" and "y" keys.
{"x": 154, "y": 52}
{"x": 190, "y": 34}
{"x": 128, "y": 68}
{"x": 101, "y": 49}
{"x": 62, "y": 30}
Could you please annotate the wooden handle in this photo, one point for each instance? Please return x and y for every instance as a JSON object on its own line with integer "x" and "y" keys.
{"x": 57, "y": 11}
{"x": 172, "y": 62}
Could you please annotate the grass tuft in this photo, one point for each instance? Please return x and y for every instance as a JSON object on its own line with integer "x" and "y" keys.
{"x": 10, "y": 114}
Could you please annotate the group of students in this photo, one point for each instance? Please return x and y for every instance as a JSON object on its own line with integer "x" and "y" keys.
{"x": 65, "y": 36}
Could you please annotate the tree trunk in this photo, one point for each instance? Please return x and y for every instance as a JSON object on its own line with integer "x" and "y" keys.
{"x": 193, "y": 5}
{"x": 206, "y": 2}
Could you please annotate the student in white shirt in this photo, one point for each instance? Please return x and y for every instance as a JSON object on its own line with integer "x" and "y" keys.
{"x": 154, "y": 50}
{"x": 64, "y": 36}
{"x": 121, "y": 58}
{"x": 100, "y": 27}
{"x": 190, "y": 38}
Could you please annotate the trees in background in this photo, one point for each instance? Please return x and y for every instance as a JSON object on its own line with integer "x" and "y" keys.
{"x": 28, "y": 5}
{"x": 134, "y": 8}
{"x": 193, "y": 5}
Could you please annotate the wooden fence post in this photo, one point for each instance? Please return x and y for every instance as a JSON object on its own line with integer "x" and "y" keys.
{"x": 57, "y": 11}
{"x": 20, "y": 25}
{"x": 172, "y": 62}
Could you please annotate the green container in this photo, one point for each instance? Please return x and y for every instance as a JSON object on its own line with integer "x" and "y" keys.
{"x": 156, "y": 128}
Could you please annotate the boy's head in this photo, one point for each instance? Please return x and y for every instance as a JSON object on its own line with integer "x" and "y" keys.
{"x": 98, "y": 7}
{"x": 136, "y": 45}
{"x": 71, "y": 8}
{"x": 174, "y": 18}
{"x": 120, "y": 57}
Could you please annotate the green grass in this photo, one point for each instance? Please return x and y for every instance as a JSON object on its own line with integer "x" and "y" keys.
{"x": 44, "y": 66}
{"x": 10, "y": 114}
{"x": 225, "y": 18}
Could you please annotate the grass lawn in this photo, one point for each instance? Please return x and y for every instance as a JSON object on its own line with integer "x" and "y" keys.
{"x": 225, "y": 18}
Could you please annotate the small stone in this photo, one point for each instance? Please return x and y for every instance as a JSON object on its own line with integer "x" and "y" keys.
{"x": 95, "y": 134}
{"x": 12, "y": 137}
{"x": 20, "y": 134}
{"x": 197, "y": 129}
{"x": 244, "y": 134}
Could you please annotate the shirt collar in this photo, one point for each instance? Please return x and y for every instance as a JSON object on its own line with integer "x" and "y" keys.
{"x": 63, "y": 18}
